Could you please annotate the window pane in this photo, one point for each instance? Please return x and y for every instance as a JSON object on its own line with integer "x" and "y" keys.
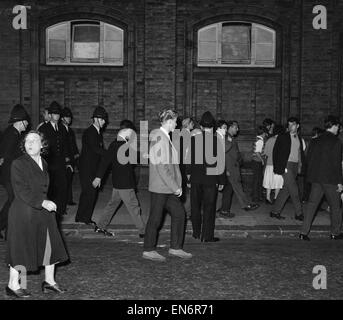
{"x": 57, "y": 42}
{"x": 263, "y": 35}
{"x": 113, "y": 34}
{"x": 236, "y": 53}
{"x": 86, "y": 42}
{"x": 57, "y": 49}
{"x": 236, "y": 44}
{"x": 86, "y": 33}
{"x": 113, "y": 50}
{"x": 113, "y": 44}
{"x": 264, "y": 53}
{"x": 207, "y": 44}
{"x": 208, "y": 34}
{"x": 207, "y": 51}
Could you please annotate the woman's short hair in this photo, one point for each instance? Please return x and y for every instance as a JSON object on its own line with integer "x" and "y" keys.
{"x": 186, "y": 122}
{"x": 166, "y": 115}
{"x": 44, "y": 142}
{"x": 220, "y": 123}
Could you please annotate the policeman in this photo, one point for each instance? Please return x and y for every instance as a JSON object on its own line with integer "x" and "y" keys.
{"x": 67, "y": 118}
{"x": 9, "y": 151}
{"x": 58, "y": 157}
{"x": 91, "y": 153}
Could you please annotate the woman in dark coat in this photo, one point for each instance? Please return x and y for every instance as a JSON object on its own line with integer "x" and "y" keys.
{"x": 33, "y": 238}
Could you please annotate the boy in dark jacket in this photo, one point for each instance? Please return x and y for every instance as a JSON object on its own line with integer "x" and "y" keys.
{"x": 123, "y": 179}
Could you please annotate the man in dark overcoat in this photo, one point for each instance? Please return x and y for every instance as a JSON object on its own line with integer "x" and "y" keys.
{"x": 9, "y": 151}
{"x": 58, "y": 157}
{"x": 73, "y": 151}
{"x": 324, "y": 172}
{"x": 204, "y": 183}
{"x": 91, "y": 154}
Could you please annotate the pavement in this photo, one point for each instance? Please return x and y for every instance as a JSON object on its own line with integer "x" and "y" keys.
{"x": 232, "y": 269}
{"x": 244, "y": 225}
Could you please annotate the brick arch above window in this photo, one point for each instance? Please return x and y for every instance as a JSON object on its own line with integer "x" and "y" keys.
{"x": 84, "y": 42}
{"x": 236, "y": 44}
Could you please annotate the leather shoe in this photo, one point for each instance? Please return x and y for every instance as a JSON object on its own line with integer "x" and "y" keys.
{"x": 46, "y": 288}
{"x": 252, "y": 207}
{"x": 214, "y": 239}
{"x": 90, "y": 223}
{"x": 226, "y": 214}
{"x": 20, "y": 293}
{"x": 103, "y": 231}
{"x": 304, "y": 237}
{"x": 277, "y": 216}
{"x": 300, "y": 217}
{"x": 337, "y": 237}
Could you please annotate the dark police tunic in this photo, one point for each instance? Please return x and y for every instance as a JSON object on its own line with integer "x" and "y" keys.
{"x": 56, "y": 158}
{"x": 73, "y": 151}
{"x": 91, "y": 153}
{"x": 33, "y": 238}
{"x": 9, "y": 151}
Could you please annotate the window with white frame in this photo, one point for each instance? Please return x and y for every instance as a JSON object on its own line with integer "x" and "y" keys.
{"x": 84, "y": 42}
{"x": 236, "y": 44}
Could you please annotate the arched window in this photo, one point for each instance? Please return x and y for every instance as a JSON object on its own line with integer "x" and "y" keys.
{"x": 84, "y": 42}
{"x": 236, "y": 44}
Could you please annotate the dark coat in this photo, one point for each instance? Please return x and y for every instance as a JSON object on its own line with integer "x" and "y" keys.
{"x": 9, "y": 151}
{"x": 72, "y": 145}
{"x": 123, "y": 175}
{"x": 91, "y": 153}
{"x": 325, "y": 160}
{"x": 199, "y": 171}
{"x": 29, "y": 225}
{"x": 58, "y": 146}
{"x": 233, "y": 160}
{"x": 281, "y": 152}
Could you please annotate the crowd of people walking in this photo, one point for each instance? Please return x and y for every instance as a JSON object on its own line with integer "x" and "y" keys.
{"x": 188, "y": 167}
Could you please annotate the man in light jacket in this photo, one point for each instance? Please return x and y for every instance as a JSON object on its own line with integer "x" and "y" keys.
{"x": 165, "y": 186}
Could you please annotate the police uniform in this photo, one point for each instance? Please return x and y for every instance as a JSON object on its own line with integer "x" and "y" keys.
{"x": 91, "y": 154}
{"x": 9, "y": 151}
{"x": 73, "y": 151}
{"x": 57, "y": 158}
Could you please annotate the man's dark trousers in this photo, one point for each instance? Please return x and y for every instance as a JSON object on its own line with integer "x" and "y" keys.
{"x": 333, "y": 198}
{"x": 87, "y": 200}
{"x": 257, "y": 168}
{"x": 170, "y": 202}
{"x": 69, "y": 174}
{"x": 203, "y": 195}
{"x": 233, "y": 186}
{"x": 290, "y": 188}
{"x": 58, "y": 188}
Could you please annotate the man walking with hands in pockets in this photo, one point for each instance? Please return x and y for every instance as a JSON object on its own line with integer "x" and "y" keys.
{"x": 165, "y": 186}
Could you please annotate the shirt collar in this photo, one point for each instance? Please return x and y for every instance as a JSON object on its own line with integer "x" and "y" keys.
{"x": 165, "y": 132}
{"x": 97, "y": 129}
{"x": 54, "y": 125}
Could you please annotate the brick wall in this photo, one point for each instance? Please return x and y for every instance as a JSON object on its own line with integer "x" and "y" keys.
{"x": 161, "y": 71}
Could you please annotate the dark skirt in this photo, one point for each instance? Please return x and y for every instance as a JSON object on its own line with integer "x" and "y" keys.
{"x": 33, "y": 238}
